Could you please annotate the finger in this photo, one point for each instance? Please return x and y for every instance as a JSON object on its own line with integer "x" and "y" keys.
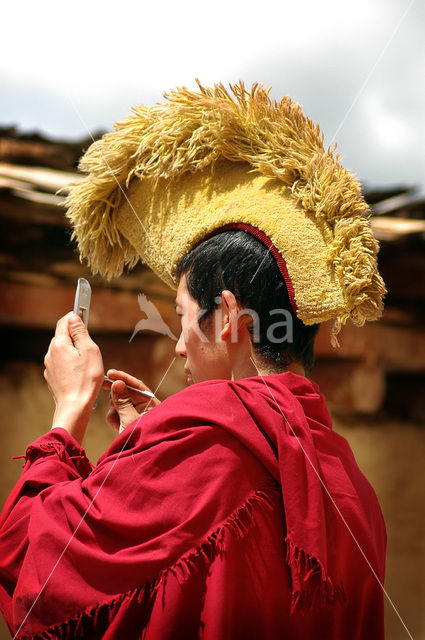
{"x": 62, "y": 327}
{"x": 77, "y": 331}
{"x": 139, "y": 401}
{"x": 123, "y": 404}
{"x": 113, "y": 419}
{"x": 128, "y": 379}
{"x": 139, "y": 405}
{"x": 135, "y": 397}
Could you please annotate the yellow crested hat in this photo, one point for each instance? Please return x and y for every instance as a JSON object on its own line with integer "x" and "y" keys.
{"x": 171, "y": 175}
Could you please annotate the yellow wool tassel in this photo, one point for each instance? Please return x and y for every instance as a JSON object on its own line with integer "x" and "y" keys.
{"x": 127, "y": 209}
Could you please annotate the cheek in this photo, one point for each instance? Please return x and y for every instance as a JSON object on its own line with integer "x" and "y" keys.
{"x": 188, "y": 336}
{"x": 210, "y": 354}
{"x": 195, "y": 346}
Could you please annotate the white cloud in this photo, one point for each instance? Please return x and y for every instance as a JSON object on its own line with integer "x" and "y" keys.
{"x": 390, "y": 130}
{"x": 61, "y": 61}
{"x": 161, "y": 44}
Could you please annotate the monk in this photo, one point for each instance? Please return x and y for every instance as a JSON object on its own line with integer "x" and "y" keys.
{"x": 229, "y": 510}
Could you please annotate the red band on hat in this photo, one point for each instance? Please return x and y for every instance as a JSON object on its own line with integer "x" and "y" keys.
{"x": 260, "y": 235}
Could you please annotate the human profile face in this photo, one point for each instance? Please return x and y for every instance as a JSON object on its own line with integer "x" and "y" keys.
{"x": 222, "y": 350}
{"x": 205, "y": 352}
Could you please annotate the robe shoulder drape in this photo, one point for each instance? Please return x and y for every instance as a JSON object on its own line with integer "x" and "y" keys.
{"x": 231, "y": 510}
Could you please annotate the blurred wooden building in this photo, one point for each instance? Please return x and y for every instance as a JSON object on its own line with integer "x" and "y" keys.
{"x": 374, "y": 383}
{"x": 379, "y": 366}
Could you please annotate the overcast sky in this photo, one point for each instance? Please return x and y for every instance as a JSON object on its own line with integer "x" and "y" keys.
{"x": 357, "y": 68}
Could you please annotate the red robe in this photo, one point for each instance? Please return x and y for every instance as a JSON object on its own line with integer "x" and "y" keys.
{"x": 232, "y": 510}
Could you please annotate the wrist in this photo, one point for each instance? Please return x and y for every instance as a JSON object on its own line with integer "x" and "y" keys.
{"x": 73, "y": 416}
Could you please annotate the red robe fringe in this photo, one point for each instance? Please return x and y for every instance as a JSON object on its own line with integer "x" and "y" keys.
{"x": 231, "y": 510}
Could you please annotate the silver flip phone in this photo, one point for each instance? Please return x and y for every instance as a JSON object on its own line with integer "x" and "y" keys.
{"x": 82, "y": 306}
{"x": 82, "y": 300}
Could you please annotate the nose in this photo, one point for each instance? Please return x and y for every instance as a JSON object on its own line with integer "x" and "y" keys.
{"x": 181, "y": 347}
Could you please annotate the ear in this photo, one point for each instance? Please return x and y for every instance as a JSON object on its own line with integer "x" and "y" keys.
{"x": 227, "y": 301}
{"x": 230, "y": 311}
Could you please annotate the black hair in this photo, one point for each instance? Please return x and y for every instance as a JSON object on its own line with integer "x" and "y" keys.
{"x": 237, "y": 261}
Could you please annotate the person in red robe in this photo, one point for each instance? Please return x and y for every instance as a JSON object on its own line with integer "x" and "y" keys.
{"x": 231, "y": 509}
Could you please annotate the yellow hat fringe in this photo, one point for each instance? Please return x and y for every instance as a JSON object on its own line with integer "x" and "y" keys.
{"x": 189, "y": 132}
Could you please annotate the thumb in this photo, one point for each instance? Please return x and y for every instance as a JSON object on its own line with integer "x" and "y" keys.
{"x": 123, "y": 404}
{"x": 77, "y": 330}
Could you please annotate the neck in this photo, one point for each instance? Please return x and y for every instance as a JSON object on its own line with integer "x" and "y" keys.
{"x": 245, "y": 363}
{"x": 247, "y": 369}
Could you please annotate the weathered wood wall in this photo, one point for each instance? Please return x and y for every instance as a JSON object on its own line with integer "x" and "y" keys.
{"x": 376, "y": 376}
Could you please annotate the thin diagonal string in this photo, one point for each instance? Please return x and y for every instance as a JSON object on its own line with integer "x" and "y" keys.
{"x": 335, "y": 505}
{"x": 259, "y": 267}
{"x": 365, "y": 83}
{"x": 122, "y": 190}
{"x": 354, "y": 102}
{"x": 137, "y": 217}
{"x": 138, "y": 420}
{"x": 90, "y": 505}
{"x": 360, "y": 92}
{"x": 372, "y": 71}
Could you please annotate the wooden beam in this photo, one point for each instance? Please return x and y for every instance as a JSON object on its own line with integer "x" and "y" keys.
{"x": 40, "y": 306}
{"x": 49, "y": 180}
{"x": 29, "y": 211}
{"x": 351, "y": 385}
{"x": 396, "y": 347}
{"x": 387, "y": 228}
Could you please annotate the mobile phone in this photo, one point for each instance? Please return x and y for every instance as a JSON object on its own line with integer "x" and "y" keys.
{"x": 82, "y": 305}
{"x": 82, "y": 300}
